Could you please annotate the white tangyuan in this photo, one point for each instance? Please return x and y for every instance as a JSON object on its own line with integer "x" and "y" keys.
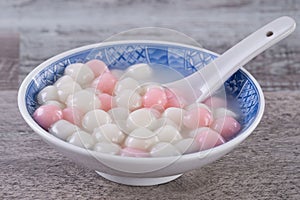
{"x": 94, "y": 119}
{"x": 126, "y": 84}
{"x": 47, "y": 94}
{"x": 223, "y": 112}
{"x": 187, "y": 145}
{"x": 93, "y": 90}
{"x": 111, "y": 132}
{"x": 163, "y": 122}
{"x": 66, "y": 89}
{"x": 143, "y": 117}
{"x": 129, "y": 99}
{"x": 142, "y": 133}
{"x": 164, "y": 149}
{"x": 118, "y": 113}
{"x": 122, "y": 125}
{"x": 84, "y": 100}
{"x": 141, "y": 138}
{"x": 174, "y": 114}
{"x": 80, "y": 72}
{"x": 99, "y": 136}
{"x": 63, "y": 80}
{"x": 56, "y": 103}
{"x": 81, "y": 139}
{"x": 63, "y": 129}
{"x": 168, "y": 134}
{"x": 109, "y": 148}
{"x": 139, "y": 71}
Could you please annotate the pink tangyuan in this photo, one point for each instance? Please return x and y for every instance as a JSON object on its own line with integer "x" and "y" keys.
{"x": 73, "y": 115}
{"x": 105, "y": 83}
{"x": 155, "y": 98}
{"x": 227, "y": 126}
{"x": 46, "y": 115}
{"x": 208, "y": 138}
{"x": 97, "y": 66}
{"x": 173, "y": 100}
{"x": 198, "y": 117}
{"x": 133, "y": 152}
{"x": 107, "y": 101}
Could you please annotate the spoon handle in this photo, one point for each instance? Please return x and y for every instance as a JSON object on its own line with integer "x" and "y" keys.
{"x": 217, "y": 72}
{"x": 244, "y": 51}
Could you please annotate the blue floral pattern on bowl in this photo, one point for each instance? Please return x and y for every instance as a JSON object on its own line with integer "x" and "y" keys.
{"x": 184, "y": 59}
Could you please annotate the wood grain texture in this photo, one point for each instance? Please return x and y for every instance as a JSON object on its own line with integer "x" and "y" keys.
{"x": 265, "y": 166}
{"x": 51, "y": 27}
{"x": 9, "y": 60}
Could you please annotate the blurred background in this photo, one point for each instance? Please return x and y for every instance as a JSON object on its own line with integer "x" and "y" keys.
{"x": 47, "y": 28}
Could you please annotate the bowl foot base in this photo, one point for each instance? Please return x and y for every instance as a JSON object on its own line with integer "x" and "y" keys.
{"x": 138, "y": 181}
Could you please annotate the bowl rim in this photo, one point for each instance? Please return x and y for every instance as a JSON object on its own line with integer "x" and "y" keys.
{"x": 85, "y": 152}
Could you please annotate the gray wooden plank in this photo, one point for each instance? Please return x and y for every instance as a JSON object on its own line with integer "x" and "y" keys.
{"x": 51, "y": 27}
{"x": 9, "y": 60}
{"x": 265, "y": 166}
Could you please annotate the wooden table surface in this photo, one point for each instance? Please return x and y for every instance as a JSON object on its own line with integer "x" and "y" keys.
{"x": 265, "y": 166}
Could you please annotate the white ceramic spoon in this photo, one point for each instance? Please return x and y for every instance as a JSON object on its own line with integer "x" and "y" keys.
{"x": 208, "y": 79}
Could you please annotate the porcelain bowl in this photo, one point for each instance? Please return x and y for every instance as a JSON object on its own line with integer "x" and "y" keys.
{"x": 120, "y": 55}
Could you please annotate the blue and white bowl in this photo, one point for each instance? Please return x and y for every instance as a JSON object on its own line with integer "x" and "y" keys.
{"x": 120, "y": 55}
